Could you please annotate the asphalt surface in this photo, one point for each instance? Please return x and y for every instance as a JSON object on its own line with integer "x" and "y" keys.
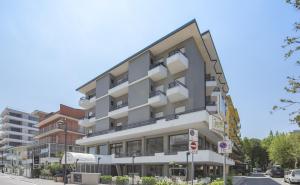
{"x": 260, "y": 179}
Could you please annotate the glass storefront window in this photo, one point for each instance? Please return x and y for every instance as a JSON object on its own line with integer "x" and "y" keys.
{"x": 103, "y": 149}
{"x": 178, "y": 143}
{"x": 116, "y": 148}
{"x": 154, "y": 145}
{"x": 134, "y": 147}
{"x": 92, "y": 150}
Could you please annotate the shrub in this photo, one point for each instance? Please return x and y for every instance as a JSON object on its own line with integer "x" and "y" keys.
{"x": 36, "y": 173}
{"x": 217, "y": 182}
{"x": 106, "y": 179}
{"x": 148, "y": 181}
{"x": 122, "y": 180}
{"x": 45, "y": 172}
{"x": 229, "y": 180}
{"x": 164, "y": 182}
{"x": 55, "y": 168}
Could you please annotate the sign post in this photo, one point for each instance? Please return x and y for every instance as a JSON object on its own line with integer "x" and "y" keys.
{"x": 193, "y": 148}
{"x": 224, "y": 147}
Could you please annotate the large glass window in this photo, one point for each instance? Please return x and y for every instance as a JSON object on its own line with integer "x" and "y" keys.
{"x": 179, "y": 143}
{"x": 92, "y": 150}
{"x": 154, "y": 145}
{"x": 103, "y": 149}
{"x": 116, "y": 148}
{"x": 134, "y": 147}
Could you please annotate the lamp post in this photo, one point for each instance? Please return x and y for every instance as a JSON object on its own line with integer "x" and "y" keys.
{"x": 187, "y": 165}
{"x": 133, "y": 156}
{"x": 98, "y": 164}
{"x": 76, "y": 164}
{"x": 63, "y": 123}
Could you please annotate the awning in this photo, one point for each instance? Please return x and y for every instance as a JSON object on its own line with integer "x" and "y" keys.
{"x": 81, "y": 158}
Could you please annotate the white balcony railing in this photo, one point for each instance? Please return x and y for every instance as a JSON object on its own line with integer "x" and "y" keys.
{"x": 157, "y": 99}
{"x": 177, "y": 91}
{"x": 118, "y": 111}
{"x": 88, "y": 121}
{"x": 87, "y": 102}
{"x": 157, "y": 72}
{"x": 177, "y": 62}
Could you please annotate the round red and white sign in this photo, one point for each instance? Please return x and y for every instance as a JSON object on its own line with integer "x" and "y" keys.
{"x": 193, "y": 145}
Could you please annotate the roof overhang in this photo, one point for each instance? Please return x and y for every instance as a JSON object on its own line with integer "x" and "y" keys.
{"x": 189, "y": 30}
{"x": 54, "y": 117}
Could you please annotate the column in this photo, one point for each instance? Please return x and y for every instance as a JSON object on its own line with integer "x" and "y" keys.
{"x": 166, "y": 170}
{"x": 166, "y": 143}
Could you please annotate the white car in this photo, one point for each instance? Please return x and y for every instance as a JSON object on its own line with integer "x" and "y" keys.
{"x": 292, "y": 176}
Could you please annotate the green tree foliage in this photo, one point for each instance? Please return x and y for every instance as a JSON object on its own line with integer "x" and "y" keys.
{"x": 255, "y": 152}
{"x": 292, "y": 45}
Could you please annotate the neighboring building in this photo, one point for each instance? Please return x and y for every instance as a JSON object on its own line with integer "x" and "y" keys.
{"x": 51, "y": 137}
{"x": 233, "y": 131}
{"x": 17, "y": 128}
{"x": 145, "y": 105}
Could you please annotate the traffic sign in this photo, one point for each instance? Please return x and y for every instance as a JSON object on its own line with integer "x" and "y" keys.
{"x": 193, "y": 135}
{"x": 193, "y": 147}
{"x": 225, "y": 146}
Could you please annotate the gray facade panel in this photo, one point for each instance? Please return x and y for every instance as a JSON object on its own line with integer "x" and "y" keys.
{"x": 102, "y": 107}
{"x": 140, "y": 114}
{"x": 102, "y": 125}
{"x": 139, "y": 67}
{"x": 138, "y": 93}
{"x": 102, "y": 86}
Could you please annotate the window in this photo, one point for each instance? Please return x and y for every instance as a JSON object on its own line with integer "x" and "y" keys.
{"x": 134, "y": 147}
{"x": 119, "y": 102}
{"x": 92, "y": 150}
{"x": 178, "y": 143}
{"x": 179, "y": 109}
{"x": 103, "y": 150}
{"x": 158, "y": 115}
{"x": 15, "y": 114}
{"x": 116, "y": 148}
{"x": 154, "y": 145}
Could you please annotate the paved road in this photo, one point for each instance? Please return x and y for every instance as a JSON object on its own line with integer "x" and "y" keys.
{"x": 260, "y": 179}
{"x": 6, "y": 179}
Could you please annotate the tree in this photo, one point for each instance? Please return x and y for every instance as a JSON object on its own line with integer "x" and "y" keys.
{"x": 280, "y": 150}
{"x": 292, "y": 44}
{"x": 294, "y": 139}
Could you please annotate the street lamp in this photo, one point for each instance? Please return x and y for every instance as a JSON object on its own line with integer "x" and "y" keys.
{"x": 133, "y": 156}
{"x": 187, "y": 165}
{"x": 98, "y": 164}
{"x": 63, "y": 123}
{"x": 76, "y": 164}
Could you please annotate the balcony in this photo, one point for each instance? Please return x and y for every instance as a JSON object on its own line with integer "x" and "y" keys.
{"x": 202, "y": 156}
{"x": 177, "y": 62}
{"x": 157, "y": 71}
{"x": 119, "y": 111}
{"x": 87, "y": 102}
{"x": 210, "y": 81}
{"x": 119, "y": 88}
{"x": 88, "y": 121}
{"x": 211, "y": 106}
{"x": 157, "y": 99}
{"x": 55, "y": 128}
{"x": 177, "y": 91}
{"x": 216, "y": 91}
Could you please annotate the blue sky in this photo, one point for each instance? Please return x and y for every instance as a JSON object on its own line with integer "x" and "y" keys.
{"x": 49, "y": 48}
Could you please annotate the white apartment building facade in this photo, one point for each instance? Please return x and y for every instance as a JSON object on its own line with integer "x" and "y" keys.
{"x": 17, "y": 128}
{"x": 144, "y": 107}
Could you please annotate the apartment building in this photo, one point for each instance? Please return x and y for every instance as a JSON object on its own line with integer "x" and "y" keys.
{"x": 143, "y": 107}
{"x": 233, "y": 130}
{"x": 51, "y": 137}
{"x": 17, "y": 128}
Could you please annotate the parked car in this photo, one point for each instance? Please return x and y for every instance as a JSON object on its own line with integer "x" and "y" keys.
{"x": 292, "y": 176}
{"x": 277, "y": 171}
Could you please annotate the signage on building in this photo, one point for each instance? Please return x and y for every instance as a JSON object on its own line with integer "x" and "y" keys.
{"x": 36, "y": 160}
{"x": 225, "y": 147}
{"x": 216, "y": 124}
{"x": 193, "y": 141}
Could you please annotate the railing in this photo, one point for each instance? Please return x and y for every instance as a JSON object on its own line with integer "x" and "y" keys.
{"x": 176, "y": 83}
{"x": 156, "y": 93}
{"x": 88, "y": 97}
{"x": 118, "y": 82}
{"x": 144, "y": 123}
{"x": 115, "y": 107}
{"x": 210, "y": 103}
{"x": 210, "y": 78}
{"x": 52, "y": 127}
{"x": 157, "y": 64}
{"x": 175, "y": 52}
{"x": 216, "y": 89}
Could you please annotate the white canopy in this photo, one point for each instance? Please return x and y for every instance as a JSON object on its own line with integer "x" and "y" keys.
{"x": 81, "y": 157}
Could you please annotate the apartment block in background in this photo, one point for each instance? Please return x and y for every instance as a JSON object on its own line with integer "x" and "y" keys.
{"x": 17, "y": 128}
{"x": 145, "y": 105}
{"x": 51, "y": 137}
